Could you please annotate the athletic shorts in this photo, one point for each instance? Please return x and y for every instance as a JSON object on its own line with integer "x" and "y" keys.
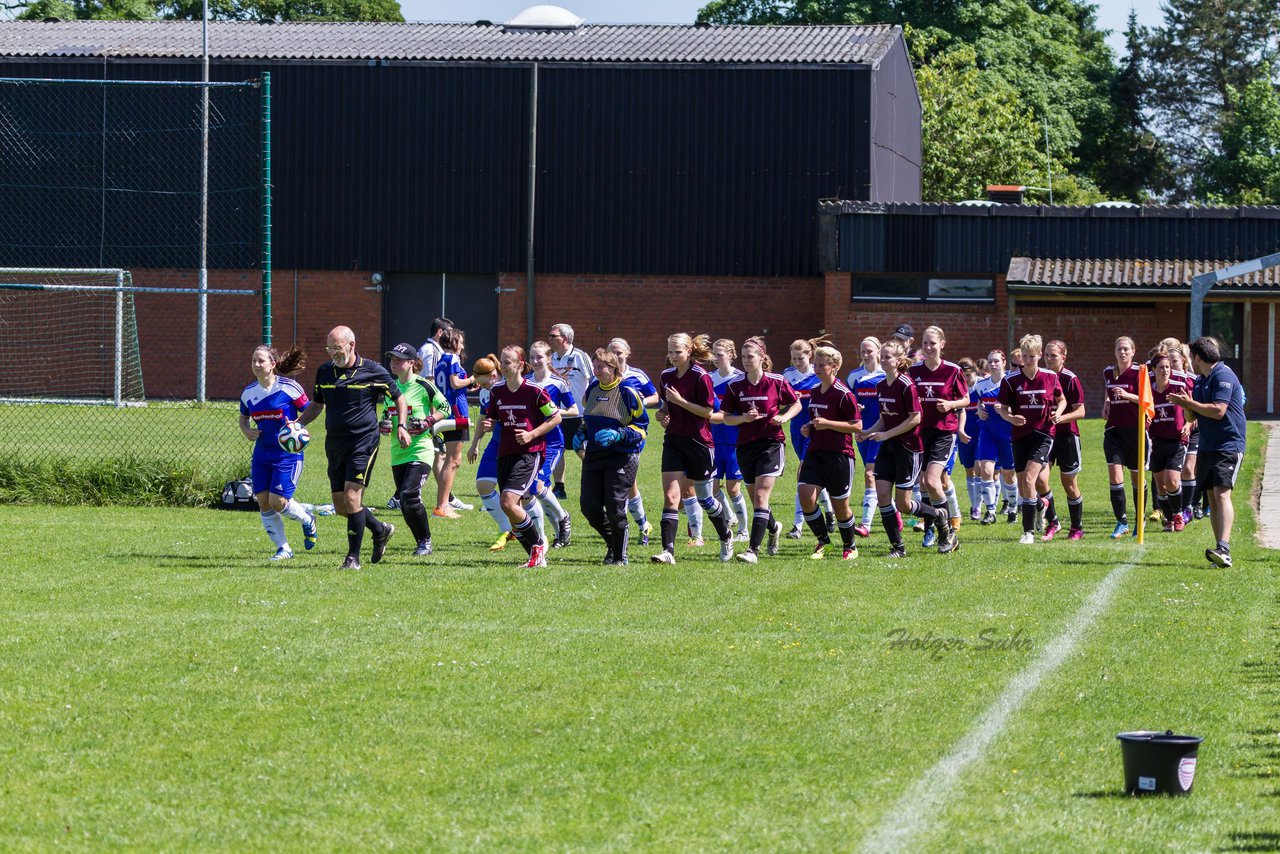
{"x": 726, "y": 462}
{"x": 686, "y": 454}
{"x": 462, "y": 434}
{"x": 1193, "y": 443}
{"x": 899, "y": 466}
{"x": 868, "y": 451}
{"x": 1032, "y": 448}
{"x": 569, "y": 427}
{"x": 1217, "y": 468}
{"x": 1167, "y": 455}
{"x": 830, "y": 470}
{"x": 939, "y": 447}
{"x": 997, "y": 448}
{"x": 351, "y": 458}
{"x": 518, "y": 472}
{"x": 1066, "y": 452}
{"x": 550, "y": 457}
{"x": 488, "y": 467}
{"x": 761, "y": 458}
{"x": 1120, "y": 446}
{"x": 967, "y": 453}
{"x": 279, "y": 475}
{"x": 799, "y": 441}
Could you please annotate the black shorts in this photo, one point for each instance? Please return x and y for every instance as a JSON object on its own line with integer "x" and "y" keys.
{"x": 1167, "y": 455}
{"x": 569, "y": 426}
{"x": 1193, "y": 443}
{"x": 761, "y": 458}
{"x": 351, "y": 458}
{"x": 1217, "y": 468}
{"x": 518, "y": 472}
{"x": 686, "y": 454}
{"x": 462, "y": 434}
{"x": 830, "y": 470}
{"x": 938, "y": 447}
{"x": 1032, "y": 448}
{"x": 898, "y": 465}
{"x": 1066, "y": 452}
{"x": 1120, "y": 447}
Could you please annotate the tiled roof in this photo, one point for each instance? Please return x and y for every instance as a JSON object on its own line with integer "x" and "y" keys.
{"x": 1104, "y": 274}
{"x": 863, "y": 44}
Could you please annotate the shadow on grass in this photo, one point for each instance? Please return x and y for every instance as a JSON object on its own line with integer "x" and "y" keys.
{"x": 1258, "y": 841}
{"x": 1262, "y": 746}
{"x": 1116, "y": 794}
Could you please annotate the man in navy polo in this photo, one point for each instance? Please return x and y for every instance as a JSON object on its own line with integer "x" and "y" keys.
{"x": 1217, "y": 402}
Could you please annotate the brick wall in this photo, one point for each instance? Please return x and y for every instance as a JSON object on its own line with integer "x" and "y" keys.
{"x": 646, "y": 309}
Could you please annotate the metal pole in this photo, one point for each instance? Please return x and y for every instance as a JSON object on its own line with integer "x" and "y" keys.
{"x": 1048, "y": 161}
{"x": 202, "y": 303}
{"x": 529, "y": 299}
{"x": 119, "y": 378}
{"x": 266, "y": 209}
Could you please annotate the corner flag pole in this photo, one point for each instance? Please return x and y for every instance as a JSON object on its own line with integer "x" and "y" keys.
{"x": 1146, "y": 412}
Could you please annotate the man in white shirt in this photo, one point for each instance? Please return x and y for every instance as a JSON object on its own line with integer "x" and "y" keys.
{"x": 574, "y": 367}
{"x": 430, "y": 351}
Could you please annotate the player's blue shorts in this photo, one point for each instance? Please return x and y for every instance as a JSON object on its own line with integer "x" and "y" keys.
{"x": 868, "y": 450}
{"x": 994, "y": 447}
{"x": 968, "y": 453}
{"x": 278, "y": 475}
{"x": 550, "y": 457}
{"x": 727, "y": 463}
{"x": 488, "y": 467}
{"x": 951, "y": 460}
{"x": 800, "y": 442}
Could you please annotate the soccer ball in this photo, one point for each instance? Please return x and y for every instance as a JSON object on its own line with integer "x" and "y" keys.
{"x": 293, "y": 437}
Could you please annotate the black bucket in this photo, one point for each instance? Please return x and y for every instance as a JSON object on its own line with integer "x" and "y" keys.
{"x": 1156, "y": 762}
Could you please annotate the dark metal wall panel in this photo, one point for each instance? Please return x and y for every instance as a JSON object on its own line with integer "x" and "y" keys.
{"x": 943, "y": 242}
{"x": 692, "y": 170}
{"x": 895, "y": 136}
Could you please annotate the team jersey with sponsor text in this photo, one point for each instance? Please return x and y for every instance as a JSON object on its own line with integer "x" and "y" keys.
{"x": 563, "y": 398}
{"x": 837, "y": 403}
{"x": 724, "y": 435}
{"x": 694, "y": 386}
{"x": 524, "y": 408}
{"x": 864, "y": 384}
{"x": 1034, "y": 398}
{"x": 898, "y": 399}
{"x": 770, "y": 396}
{"x": 1121, "y": 413}
{"x": 1073, "y": 391}
{"x": 988, "y": 389}
{"x": 1170, "y": 419}
{"x": 945, "y": 382}
{"x": 270, "y": 408}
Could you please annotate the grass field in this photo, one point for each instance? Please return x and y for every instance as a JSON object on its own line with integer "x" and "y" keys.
{"x": 162, "y": 686}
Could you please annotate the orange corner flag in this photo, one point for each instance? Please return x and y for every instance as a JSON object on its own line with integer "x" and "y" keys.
{"x": 1145, "y": 401}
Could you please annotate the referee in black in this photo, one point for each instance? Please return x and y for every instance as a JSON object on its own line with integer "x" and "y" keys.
{"x": 351, "y": 387}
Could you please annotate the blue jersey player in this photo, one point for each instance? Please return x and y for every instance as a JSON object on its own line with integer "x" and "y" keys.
{"x": 562, "y": 396}
{"x": 802, "y": 379}
{"x": 265, "y": 406}
{"x": 995, "y": 443}
{"x": 863, "y": 380}
{"x": 725, "y": 436}
{"x": 639, "y": 380}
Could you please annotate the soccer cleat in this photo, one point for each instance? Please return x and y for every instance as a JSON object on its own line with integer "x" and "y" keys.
{"x": 820, "y": 552}
{"x": 1186, "y": 515}
{"x": 726, "y": 550}
{"x": 918, "y": 525}
{"x": 830, "y": 520}
{"x": 380, "y": 542}
{"x": 1027, "y": 538}
{"x": 283, "y": 553}
{"x": 1076, "y": 534}
{"x": 458, "y": 504}
{"x": 695, "y": 543}
{"x": 1178, "y": 522}
{"x": 775, "y": 532}
{"x": 1153, "y": 516}
{"x": 563, "y": 533}
{"x": 350, "y": 562}
{"x": 501, "y": 543}
{"x": 646, "y": 531}
{"x": 743, "y": 536}
{"x": 955, "y": 522}
{"x": 309, "y": 534}
{"x": 1166, "y": 528}
{"x": 748, "y": 556}
{"x": 898, "y": 551}
{"x": 930, "y": 539}
{"x": 423, "y": 549}
{"x": 975, "y": 514}
{"x": 663, "y": 556}
{"x": 615, "y": 561}
{"x": 862, "y": 530}
{"x": 1218, "y": 557}
{"x": 952, "y": 544}
{"x": 1197, "y": 513}
{"x": 1120, "y": 530}
{"x": 1052, "y": 531}
{"x": 537, "y": 556}
{"x": 1041, "y": 506}
{"x": 1004, "y": 505}
{"x": 794, "y": 533}
{"x": 558, "y": 491}
{"x": 393, "y": 503}
{"x": 988, "y": 517}
{"x": 1011, "y": 517}
{"x": 445, "y": 513}
{"x": 850, "y": 553}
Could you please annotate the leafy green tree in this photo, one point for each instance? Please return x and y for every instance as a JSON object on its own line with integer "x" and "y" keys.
{"x": 1247, "y": 168}
{"x": 234, "y": 10}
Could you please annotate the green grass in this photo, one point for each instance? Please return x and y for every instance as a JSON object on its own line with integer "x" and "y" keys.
{"x": 163, "y": 686}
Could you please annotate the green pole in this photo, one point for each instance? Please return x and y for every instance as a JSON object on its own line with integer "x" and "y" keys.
{"x": 266, "y": 207}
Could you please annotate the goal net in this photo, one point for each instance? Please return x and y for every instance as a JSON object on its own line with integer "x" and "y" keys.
{"x": 69, "y": 336}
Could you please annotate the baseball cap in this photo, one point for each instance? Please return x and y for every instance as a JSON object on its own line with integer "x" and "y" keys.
{"x": 904, "y": 332}
{"x": 403, "y": 351}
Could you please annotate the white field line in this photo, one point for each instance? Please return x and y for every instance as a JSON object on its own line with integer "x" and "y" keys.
{"x": 918, "y": 808}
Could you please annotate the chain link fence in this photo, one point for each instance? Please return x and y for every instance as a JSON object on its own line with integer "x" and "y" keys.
{"x": 124, "y": 361}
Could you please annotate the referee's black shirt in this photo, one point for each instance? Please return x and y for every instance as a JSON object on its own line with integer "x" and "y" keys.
{"x": 351, "y": 395}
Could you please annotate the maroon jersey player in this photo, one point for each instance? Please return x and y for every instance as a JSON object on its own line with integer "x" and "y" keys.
{"x": 1169, "y": 433}
{"x": 828, "y": 462}
{"x": 1031, "y": 400}
{"x": 1120, "y": 440}
{"x": 943, "y": 396}
{"x": 1066, "y": 438}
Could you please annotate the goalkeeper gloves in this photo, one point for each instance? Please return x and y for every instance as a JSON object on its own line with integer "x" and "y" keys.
{"x": 579, "y": 441}
{"x": 608, "y": 436}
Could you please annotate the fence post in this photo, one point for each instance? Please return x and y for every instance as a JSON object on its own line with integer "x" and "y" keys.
{"x": 119, "y": 368}
{"x": 266, "y": 208}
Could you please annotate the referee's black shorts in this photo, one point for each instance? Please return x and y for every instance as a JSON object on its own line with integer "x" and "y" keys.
{"x": 351, "y": 458}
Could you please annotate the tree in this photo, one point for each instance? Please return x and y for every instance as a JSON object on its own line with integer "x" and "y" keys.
{"x": 232, "y": 10}
{"x": 1247, "y": 168}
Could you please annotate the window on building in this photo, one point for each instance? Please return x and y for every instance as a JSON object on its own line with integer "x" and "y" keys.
{"x": 919, "y": 287}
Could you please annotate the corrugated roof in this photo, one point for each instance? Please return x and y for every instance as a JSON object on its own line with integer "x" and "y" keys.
{"x": 863, "y": 44}
{"x": 1103, "y": 274}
